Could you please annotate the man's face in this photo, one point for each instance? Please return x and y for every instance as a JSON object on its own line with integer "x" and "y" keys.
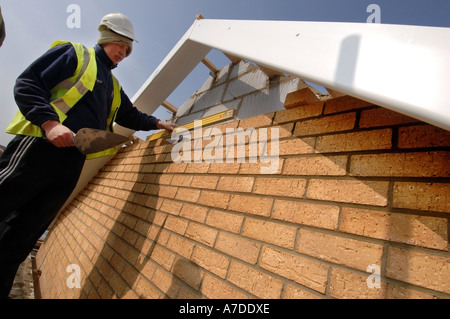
{"x": 116, "y": 51}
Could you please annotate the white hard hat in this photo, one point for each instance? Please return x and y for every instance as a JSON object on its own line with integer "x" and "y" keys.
{"x": 119, "y": 23}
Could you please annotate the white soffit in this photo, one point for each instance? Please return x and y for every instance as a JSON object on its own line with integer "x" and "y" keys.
{"x": 403, "y": 68}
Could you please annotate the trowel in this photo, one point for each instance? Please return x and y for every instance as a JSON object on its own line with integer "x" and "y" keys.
{"x": 89, "y": 140}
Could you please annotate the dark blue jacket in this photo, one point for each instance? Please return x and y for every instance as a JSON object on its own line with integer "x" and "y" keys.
{"x": 33, "y": 86}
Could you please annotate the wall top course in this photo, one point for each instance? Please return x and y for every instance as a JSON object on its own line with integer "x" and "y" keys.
{"x": 241, "y": 88}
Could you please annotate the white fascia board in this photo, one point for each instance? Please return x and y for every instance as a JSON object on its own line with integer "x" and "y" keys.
{"x": 403, "y": 68}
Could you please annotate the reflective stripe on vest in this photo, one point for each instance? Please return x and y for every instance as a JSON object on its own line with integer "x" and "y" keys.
{"x": 111, "y": 118}
{"x": 68, "y": 92}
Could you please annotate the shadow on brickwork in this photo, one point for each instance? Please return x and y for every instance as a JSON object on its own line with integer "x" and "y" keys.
{"x": 130, "y": 243}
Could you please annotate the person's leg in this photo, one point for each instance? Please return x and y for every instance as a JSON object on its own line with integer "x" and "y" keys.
{"x": 56, "y": 173}
{"x": 18, "y": 178}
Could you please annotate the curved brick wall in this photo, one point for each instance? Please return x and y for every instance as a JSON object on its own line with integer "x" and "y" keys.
{"x": 359, "y": 189}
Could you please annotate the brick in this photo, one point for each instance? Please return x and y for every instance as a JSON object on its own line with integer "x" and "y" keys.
{"x": 424, "y": 164}
{"x": 186, "y": 292}
{"x": 293, "y": 292}
{"x": 176, "y": 180}
{"x": 214, "y": 152}
{"x": 239, "y": 247}
{"x": 206, "y": 182}
{"x": 156, "y": 218}
{"x": 257, "y": 283}
{"x": 154, "y": 202}
{"x": 105, "y": 292}
{"x": 297, "y": 146}
{"x": 240, "y": 137}
{"x": 270, "y": 232}
{"x": 201, "y": 233}
{"x": 381, "y": 116}
{"x": 129, "y": 236}
{"x": 147, "y": 168}
{"x": 256, "y": 121}
{"x": 214, "y": 288}
{"x": 235, "y": 184}
{"x": 340, "y": 250}
{"x": 301, "y": 270}
{"x": 159, "y": 149}
{"x": 316, "y": 165}
{"x": 349, "y": 191}
{"x": 165, "y": 191}
{"x": 144, "y": 289}
{"x": 176, "y": 167}
{"x": 255, "y": 205}
{"x": 227, "y": 125}
{"x": 301, "y": 97}
{"x": 193, "y": 212}
{"x": 197, "y": 168}
{"x": 158, "y": 234}
{"x": 422, "y": 196}
{"x": 239, "y": 152}
{"x": 284, "y": 130}
{"x": 399, "y": 292}
{"x": 123, "y": 249}
{"x": 226, "y": 221}
{"x": 270, "y": 166}
{"x": 419, "y": 268}
{"x": 176, "y": 224}
{"x": 336, "y": 123}
{"x": 224, "y": 168}
{"x": 188, "y": 272}
{"x": 161, "y": 256}
{"x": 211, "y": 261}
{"x": 160, "y": 168}
{"x": 300, "y": 112}
{"x": 424, "y": 231}
{"x": 323, "y": 216}
{"x": 170, "y": 206}
{"x": 166, "y": 282}
{"x": 291, "y": 187}
{"x": 348, "y": 285}
{"x": 180, "y": 245}
{"x": 214, "y": 199}
{"x": 344, "y": 103}
{"x": 358, "y": 141}
{"x": 422, "y": 136}
{"x": 146, "y": 268}
{"x": 188, "y": 194}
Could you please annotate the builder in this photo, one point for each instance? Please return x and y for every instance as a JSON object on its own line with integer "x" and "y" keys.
{"x": 68, "y": 88}
{"x": 2, "y": 28}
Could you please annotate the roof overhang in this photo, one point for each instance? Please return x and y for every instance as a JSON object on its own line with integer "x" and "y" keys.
{"x": 403, "y": 68}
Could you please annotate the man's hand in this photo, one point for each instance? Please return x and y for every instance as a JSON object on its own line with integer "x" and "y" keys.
{"x": 58, "y": 134}
{"x": 169, "y": 127}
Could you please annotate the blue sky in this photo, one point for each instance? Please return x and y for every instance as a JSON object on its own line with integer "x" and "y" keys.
{"x": 32, "y": 26}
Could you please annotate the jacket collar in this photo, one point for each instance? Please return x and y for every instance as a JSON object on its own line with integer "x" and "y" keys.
{"x": 103, "y": 57}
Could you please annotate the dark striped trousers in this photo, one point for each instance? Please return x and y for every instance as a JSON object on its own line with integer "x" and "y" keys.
{"x": 36, "y": 179}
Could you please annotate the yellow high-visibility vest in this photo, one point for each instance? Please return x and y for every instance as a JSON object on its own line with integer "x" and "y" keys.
{"x": 68, "y": 92}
